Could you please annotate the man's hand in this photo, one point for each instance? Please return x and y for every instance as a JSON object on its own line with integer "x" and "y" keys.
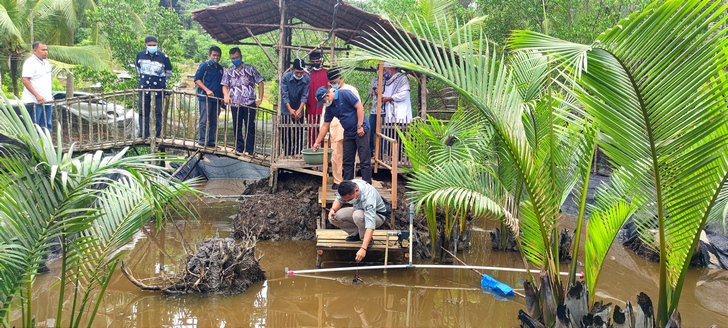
{"x": 332, "y": 216}
{"x": 360, "y": 131}
{"x": 40, "y": 99}
{"x": 210, "y": 93}
{"x": 316, "y": 146}
{"x": 360, "y": 254}
{"x": 226, "y": 99}
{"x": 299, "y": 113}
{"x": 258, "y": 101}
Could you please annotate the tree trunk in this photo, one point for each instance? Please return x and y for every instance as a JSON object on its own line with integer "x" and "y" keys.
{"x": 623, "y": 318}
{"x": 14, "y": 58}
{"x": 577, "y": 303}
{"x": 645, "y": 312}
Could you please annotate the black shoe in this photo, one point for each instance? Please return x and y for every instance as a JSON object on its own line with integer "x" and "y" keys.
{"x": 335, "y": 186}
{"x": 353, "y": 238}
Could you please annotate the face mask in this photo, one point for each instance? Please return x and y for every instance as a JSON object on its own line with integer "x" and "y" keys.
{"x": 387, "y": 75}
{"x": 214, "y": 60}
{"x": 335, "y": 86}
{"x": 152, "y": 49}
{"x": 297, "y": 77}
{"x": 237, "y": 62}
{"x": 327, "y": 103}
{"x": 316, "y": 66}
{"x": 353, "y": 201}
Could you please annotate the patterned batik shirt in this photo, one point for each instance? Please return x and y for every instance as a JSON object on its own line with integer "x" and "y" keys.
{"x": 153, "y": 70}
{"x": 241, "y": 84}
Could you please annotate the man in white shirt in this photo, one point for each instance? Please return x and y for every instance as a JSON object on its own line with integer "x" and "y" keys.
{"x": 37, "y": 81}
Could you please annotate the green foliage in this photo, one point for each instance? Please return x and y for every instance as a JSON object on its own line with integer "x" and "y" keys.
{"x": 667, "y": 139}
{"x": 92, "y": 203}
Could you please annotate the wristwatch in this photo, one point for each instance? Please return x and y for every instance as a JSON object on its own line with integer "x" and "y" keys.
{"x": 359, "y": 126}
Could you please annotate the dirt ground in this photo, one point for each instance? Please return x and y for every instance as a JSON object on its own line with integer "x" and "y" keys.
{"x": 292, "y": 211}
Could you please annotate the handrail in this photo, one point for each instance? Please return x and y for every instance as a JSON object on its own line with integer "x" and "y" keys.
{"x": 393, "y": 168}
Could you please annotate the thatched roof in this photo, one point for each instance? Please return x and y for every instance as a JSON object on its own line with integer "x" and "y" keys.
{"x": 227, "y": 22}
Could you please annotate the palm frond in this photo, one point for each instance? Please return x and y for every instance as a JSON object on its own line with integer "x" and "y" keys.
{"x": 652, "y": 90}
{"x": 89, "y": 56}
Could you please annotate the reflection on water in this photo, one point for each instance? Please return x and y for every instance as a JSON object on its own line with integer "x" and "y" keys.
{"x": 399, "y": 298}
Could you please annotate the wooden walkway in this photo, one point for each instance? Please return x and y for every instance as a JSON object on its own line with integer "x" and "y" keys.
{"x": 334, "y": 240}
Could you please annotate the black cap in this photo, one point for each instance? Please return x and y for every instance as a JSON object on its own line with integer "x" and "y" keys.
{"x": 314, "y": 55}
{"x": 150, "y": 38}
{"x": 320, "y": 93}
{"x": 298, "y": 63}
{"x": 333, "y": 73}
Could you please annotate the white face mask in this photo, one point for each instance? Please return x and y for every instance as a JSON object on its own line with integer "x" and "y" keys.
{"x": 327, "y": 103}
{"x": 353, "y": 201}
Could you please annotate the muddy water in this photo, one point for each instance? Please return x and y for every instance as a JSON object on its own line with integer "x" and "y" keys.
{"x": 399, "y": 298}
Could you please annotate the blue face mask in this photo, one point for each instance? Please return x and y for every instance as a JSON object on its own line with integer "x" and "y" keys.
{"x": 387, "y": 75}
{"x": 237, "y": 62}
{"x": 335, "y": 86}
{"x": 152, "y": 49}
{"x": 297, "y": 77}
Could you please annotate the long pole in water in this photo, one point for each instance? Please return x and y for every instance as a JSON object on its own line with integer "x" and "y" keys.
{"x": 422, "y": 266}
{"x": 411, "y": 230}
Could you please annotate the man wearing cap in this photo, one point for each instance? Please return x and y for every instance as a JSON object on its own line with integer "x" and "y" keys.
{"x": 294, "y": 93}
{"x": 336, "y": 132}
{"x": 154, "y": 68}
{"x": 238, "y": 89}
{"x": 318, "y": 79}
{"x": 345, "y": 106}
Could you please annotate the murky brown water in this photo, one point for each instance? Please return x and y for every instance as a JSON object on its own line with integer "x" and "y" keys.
{"x": 399, "y": 298}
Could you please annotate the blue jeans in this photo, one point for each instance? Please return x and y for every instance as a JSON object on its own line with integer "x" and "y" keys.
{"x": 209, "y": 110}
{"x": 244, "y": 115}
{"x": 43, "y": 116}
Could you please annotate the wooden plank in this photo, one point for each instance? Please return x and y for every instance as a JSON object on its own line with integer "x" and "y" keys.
{"x": 341, "y": 234}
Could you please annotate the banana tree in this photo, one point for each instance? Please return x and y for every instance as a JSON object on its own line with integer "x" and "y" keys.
{"x": 90, "y": 205}
{"x": 541, "y": 143}
{"x": 656, "y": 86}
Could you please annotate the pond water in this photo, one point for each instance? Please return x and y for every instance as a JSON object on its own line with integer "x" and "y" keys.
{"x": 398, "y": 298}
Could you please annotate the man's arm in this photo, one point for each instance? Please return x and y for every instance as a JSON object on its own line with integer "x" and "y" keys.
{"x": 226, "y": 94}
{"x": 167, "y": 66}
{"x": 320, "y": 138}
{"x": 365, "y": 242}
{"x": 38, "y": 98}
{"x": 285, "y": 97}
{"x": 260, "y": 93}
{"x": 359, "y": 118}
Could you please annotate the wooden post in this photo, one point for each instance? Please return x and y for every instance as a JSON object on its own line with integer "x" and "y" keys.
{"x": 378, "y": 128}
{"x": 423, "y": 96}
{"x": 325, "y": 173}
{"x": 395, "y": 174}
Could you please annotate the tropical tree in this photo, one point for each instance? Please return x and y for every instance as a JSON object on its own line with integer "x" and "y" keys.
{"x": 538, "y": 146}
{"x": 89, "y": 205}
{"x": 656, "y": 86}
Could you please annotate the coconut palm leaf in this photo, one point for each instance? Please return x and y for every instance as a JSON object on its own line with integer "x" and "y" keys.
{"x": 7, "y": 24}
{"x": 49, "y": 194}
{"x": 89, "y": 56}
{"x": 661, "y": 120}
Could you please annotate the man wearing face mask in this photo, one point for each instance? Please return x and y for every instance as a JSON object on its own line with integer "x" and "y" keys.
{"x": 336, "y": 132}
{"x": 238, "y": 89}
{"x": 319, "y": 78}
{"x": 359, "y": 221}
{"x": 345, "y": 106}
{"x": 154, "y": 68}
{"x": 294, "y": 91}
{"x": 209, "y": 89}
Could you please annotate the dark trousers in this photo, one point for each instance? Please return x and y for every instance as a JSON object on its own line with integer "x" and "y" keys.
{"x": 209, "y": 110}
{"x": 357, "y": 145}
{"x": 292, "y": 139}
{"x": 145, "y": 108}
{"x": 244, "y": 115}
{"x": 373, "y": 126}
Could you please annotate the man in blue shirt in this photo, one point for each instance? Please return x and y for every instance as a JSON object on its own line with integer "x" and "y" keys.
{"x": 294, "y": 91}
{"x": 209, "y": 89}
{"x": 154, "y": 68}
{"x": 345, "y": 106}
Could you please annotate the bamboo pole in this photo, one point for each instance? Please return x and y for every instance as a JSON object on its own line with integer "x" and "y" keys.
{"x": 378, "y": 129}
{"x": 261, "y": 46}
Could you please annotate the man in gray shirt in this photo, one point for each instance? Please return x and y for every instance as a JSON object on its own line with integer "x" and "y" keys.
{"x": 360, "y": 220}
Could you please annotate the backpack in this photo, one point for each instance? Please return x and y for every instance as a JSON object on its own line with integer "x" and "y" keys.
{"x": 197, "y": 88}
{"x": 387, "y": 208}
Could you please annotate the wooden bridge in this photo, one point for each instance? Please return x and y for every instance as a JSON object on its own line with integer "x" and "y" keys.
{"x": 111, "y": 121}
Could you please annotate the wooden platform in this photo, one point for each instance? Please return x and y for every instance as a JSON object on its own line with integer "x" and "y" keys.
{"x": 335, "y": 240}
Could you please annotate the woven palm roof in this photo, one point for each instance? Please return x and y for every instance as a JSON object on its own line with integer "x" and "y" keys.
{"x": 227, "y": 22}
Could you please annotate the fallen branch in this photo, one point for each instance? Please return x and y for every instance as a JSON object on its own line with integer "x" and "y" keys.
{"x": 134, "y": 281}
{"x": 300, "y": 193}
